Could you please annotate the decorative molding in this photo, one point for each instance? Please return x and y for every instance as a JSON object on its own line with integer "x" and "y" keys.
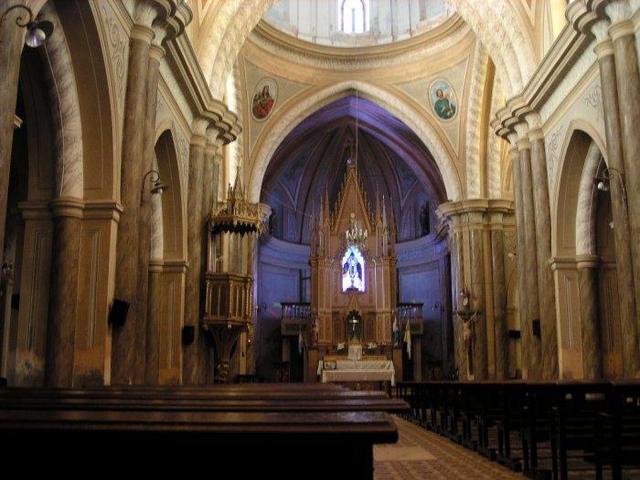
{"x": 440, "y": 40}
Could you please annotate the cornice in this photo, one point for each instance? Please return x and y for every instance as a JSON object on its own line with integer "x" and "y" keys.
{"x": 183, "y": 62}
{"x": 475, "y": 205}
{"x": 436, "y": 34}
{"x": 561, "y": 57}
{"x": 437, "y": 41}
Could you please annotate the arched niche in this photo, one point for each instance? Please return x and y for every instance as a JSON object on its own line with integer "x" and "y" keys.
{"x": 167, "y": 268}
{"x": 172, "y": 228}
{"x": 584, "y": 265}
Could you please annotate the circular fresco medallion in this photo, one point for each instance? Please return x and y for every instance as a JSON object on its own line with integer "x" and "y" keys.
{"x": 443, "y": 99}
{"x": 264, "y": 98}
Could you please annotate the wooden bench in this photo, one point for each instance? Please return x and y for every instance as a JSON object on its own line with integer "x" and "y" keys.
{"x": 545, "y": 429}
{"x": 326, "y": 430}
{"x": 617, "y": 431}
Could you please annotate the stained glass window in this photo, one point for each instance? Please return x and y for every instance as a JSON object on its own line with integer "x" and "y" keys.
{"x": 353, "y": 270}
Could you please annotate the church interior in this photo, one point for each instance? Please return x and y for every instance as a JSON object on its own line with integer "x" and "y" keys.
{"x": 403, "y": 235}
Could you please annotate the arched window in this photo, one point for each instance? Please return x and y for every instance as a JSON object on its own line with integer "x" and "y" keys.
{"x": 354, "y": 16}
{"x": 353, "y": 272}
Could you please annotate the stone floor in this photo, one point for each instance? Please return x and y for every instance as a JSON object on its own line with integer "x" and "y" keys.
{"x": 420, "y": 454}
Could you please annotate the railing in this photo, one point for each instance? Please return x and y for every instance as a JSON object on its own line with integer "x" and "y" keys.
{"x": 411, "y": 311}
{"x": 295, "y": 317}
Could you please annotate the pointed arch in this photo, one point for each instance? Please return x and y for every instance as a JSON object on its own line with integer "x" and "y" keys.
{"x": 286, "y": 119}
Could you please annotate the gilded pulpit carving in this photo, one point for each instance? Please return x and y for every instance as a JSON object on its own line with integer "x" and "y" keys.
{"x": 233, "y": 231}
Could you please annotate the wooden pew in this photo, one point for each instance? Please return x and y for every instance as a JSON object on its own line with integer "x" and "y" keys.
{"x": 576, "y": 407}
{"x": 206, "y": 399}
{"x": 330, "y": 430}
{"x": 554, "y": 424}
{"x": 617, "y": 442}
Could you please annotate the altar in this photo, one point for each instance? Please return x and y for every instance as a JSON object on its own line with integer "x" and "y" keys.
{"x": 349, "y": 371}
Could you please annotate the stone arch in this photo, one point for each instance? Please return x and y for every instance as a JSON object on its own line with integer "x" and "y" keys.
{"x": 474, "y": 124}
{"x": 286, "y": 119}
{"x": 65, "y": 109}
{"x": 586, "y": 203}
{"x": 94, "y": 50}
{"x": 506, "y": 36}
{"x": 571, "y": 178}
{"x": 584, "y": 263}
{"x": 168, "y": 240}
{"x": 500, "y": 27}
{"x": 579, "y": 155}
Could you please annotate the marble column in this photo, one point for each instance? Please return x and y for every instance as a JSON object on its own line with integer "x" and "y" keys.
{"x": 621, "y": 231}
{"x": 479, "y": 326}
{"x": 628, "y": 88}
{"x": 588, "y": 290}
{"x": 193, "y": 354}
{"x": 156, "y": 53}
{"x": 152, "y": 361}
{"x": 127, "y": 359}
{"x": 530, "y": 258}
{"x": 11, "y": 44}
{"x": 546, "y": 285}
{"x": 63, "y": 293}
{"x": 146, "y": 334}
{"x": 499, "y": 302}
{"x": 457, "y": 280}
{"x": 525, "y": 328}
{"x": 217, "y": 175}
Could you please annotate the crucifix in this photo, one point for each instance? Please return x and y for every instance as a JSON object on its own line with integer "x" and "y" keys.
{"x": 353, "y": 321}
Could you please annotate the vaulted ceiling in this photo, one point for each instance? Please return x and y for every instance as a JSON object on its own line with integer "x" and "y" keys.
{"x": 391, "y": 160}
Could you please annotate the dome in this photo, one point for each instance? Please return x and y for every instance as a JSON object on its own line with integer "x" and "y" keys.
{"x": 356, "y": 23}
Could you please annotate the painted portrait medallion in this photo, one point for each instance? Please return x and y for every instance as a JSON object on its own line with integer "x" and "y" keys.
{"x": 443, "y": 99}
{"x": 264, "y": 98}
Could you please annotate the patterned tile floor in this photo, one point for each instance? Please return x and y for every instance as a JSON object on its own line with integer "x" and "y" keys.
{"x": 420, "y": 454}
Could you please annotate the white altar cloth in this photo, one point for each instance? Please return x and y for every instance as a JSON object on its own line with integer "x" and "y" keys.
{"x": 358, "y": 371}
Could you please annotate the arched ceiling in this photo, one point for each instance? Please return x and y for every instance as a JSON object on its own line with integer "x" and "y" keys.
{"x": 312, "y": 159}
{"x": 501, "y": 26}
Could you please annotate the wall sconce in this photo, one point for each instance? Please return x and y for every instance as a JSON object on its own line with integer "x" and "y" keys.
{"x": 603, "y": 181}
{"x": 157, "y": 186}
{"x": 37, "y": 32}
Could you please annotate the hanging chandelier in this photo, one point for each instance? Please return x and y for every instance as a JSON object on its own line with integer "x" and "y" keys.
{"x": 355, "y": 234}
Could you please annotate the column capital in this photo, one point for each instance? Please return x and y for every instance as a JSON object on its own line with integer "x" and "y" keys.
{"x": 67, "y": 207}
{"x": 156, "y": 51}
{"x": 587, "y": 261}
{"x": 523, "y": 144}
{"x": 103, "y": 210}
{"x": 198, "y": 140}
{"x": 621, "y": 29}
{"x": 142, "y": 33}
{"x": 536, "y": 134}
{"x": 604, "y": 48}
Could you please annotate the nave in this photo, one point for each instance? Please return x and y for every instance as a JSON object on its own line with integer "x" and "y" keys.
{"x": 420, "y": 454}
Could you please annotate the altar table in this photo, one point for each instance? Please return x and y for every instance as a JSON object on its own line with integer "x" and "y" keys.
{"x": 357, "y": 371}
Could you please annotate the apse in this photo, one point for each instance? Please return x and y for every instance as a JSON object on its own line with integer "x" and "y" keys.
{"x": 400, "y": 182}
{"x": 391, "y": 160}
